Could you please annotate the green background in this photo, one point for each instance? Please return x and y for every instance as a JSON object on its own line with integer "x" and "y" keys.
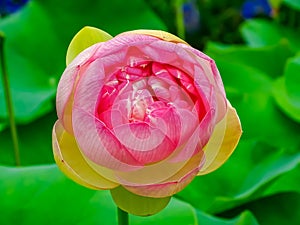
{"x": 259, "y": 61}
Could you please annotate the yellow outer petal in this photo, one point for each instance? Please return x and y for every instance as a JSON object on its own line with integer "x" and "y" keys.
{"x": 173, "y": 184}
{"x": 222, "y": 142}
{"x": 166, "y": 36}
{"x": 85, "y": 38}
{"x": 70, "y": 161}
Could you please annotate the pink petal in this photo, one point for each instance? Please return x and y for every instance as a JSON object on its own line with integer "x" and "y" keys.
{"x": 67, "y": 85}
{"x": 163, "y": 170}
{"x": 189, "y": 122}
{"x": 173, "y": 184}
{"x": 112, "y": 118}
{"x": 168, "y": 121}
{"x": 145, "y": 143}
{"x": 160, "y": 88}
{"x": 208, "y": 64}
{"x": 99, "y": 144}
{"x": 196, "y": 141}
{"x": 70, "y": 160}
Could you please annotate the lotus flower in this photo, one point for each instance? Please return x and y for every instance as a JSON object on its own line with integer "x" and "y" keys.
{"x": 140, "y": 114}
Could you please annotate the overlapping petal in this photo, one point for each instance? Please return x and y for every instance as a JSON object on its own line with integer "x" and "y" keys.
{"x": 67, "y": 85}
{"x": 69, "y": 159}
{"x": 143, "y": 110}
{"x": 174, "y": 183}
{"x": 223, "y": 141}
{"x": 160, "y": 172}
{"x": 85, "y": 38}
{"x": 157, "y": 33}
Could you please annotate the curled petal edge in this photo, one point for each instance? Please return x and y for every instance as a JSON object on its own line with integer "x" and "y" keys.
{"x": 85, "y": 38}
{"x": 229, "y": 135}
{"x": 163, "y": 35}
{"x": 173, "y": 184}
{"x": 70, "y": 161}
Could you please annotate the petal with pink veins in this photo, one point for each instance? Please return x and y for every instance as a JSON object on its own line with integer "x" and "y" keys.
{"x": 188, "y": 121}
{"x": 173, "y": 184}
{"x": 70, "y": 160}
{"x": 147, "y": 144}
{"x": 199, "y": 137}
{"x": 99, "y": 144}
{"x": 67, "y": 86}
{"x": 208, "y": 66}
{"x": 112, "y": 118}
{"x": 168, "y": 121}
{"x": 65, "y": 96}
{"x": 152, "y": 173}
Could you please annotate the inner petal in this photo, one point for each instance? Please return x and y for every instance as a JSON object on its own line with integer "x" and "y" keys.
{"x": 145, "y": 143}
{"x": 148, "y": 98}
{"x": 144, "y": 85}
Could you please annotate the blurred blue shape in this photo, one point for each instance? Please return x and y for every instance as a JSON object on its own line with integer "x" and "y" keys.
{"x": 191, "y": 16}
{"x": 10, "y": 6}
{"x": 253, "y": 8}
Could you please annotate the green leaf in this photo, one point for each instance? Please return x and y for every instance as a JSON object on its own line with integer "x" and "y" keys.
{"x": 295, "y": 4}
{"x": 3, "y": 125}
{"x": 259, "y": 168}
{"x": 245, "y": 218}
{"x": 177, "y": 212}
{"x": 286, "y": 89}
{"x": 275, "y": 209}
{"x": 258, "y": 181}
{"x": 43, "y": 195}
{"x": 278, "y": 209}
{"x": 31, "y": 68}
{"x": 34, "y": 142}
{"x": 286, "y": 104}
{"x": 249, "y": 86}
{"x": 292, "y": 78}
{"x": 37, "y": 38}
{"x": 257, "y": 32}
{"x": 260, "y": 58}
{"x": 285, "y": 183}
{"x": 250, "y": 92}
{"x": 266, "y": 172}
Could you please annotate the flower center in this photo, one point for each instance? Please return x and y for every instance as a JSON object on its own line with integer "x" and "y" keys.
{"x": 146, "y": 91}
{"x": 138, "y": 109}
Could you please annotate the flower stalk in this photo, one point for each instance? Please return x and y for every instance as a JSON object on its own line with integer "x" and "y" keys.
{"x": 122, "y": 217}
{"x": 9, "y": 103}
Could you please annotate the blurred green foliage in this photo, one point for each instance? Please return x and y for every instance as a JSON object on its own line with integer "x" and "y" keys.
{"x": 259, "y": 61}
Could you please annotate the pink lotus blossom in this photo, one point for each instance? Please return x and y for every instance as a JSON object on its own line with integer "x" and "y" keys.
{"x": 145, "y": 111}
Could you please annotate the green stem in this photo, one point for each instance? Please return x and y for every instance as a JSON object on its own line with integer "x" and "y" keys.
{"x": 122, "y": 217}
{"x": 179, "y": 19}
{"x": 9, "y": 103}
